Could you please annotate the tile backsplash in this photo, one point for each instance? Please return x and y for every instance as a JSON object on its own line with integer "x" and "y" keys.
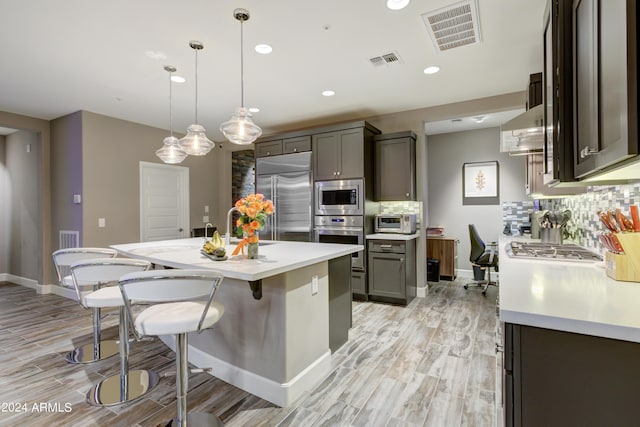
{"x": 584, "y": 226}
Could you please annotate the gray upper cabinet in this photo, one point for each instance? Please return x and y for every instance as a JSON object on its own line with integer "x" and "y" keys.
{"x": 605, "y": 84}
{"x": 296, "y": 145}
{"x": 395, "y": 166}
{"x": 268, "y": 148}
{"x": 339, "y": 154}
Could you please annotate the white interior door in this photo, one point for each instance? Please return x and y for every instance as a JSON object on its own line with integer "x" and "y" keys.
{"x": 164, "y": 202}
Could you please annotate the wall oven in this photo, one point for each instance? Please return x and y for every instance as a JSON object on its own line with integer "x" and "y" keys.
{"x": 341, "y": 197}
{"x": 342, "y": 229}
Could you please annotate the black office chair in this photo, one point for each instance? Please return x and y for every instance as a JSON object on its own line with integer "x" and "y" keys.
{"x": 482, "y": 256}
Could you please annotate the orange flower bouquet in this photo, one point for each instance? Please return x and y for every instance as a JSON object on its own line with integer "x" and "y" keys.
{"x": 254, "y": 210}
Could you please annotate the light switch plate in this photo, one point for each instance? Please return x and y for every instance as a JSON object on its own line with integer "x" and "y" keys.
{"x": 205, "y": 218}
{"x": 102, "y": 223}
{"x": 314, "y": 285}
{"x": 77, "y": 199}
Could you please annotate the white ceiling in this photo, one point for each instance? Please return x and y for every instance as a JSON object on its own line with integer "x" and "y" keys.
{"x": 61, "y": 57}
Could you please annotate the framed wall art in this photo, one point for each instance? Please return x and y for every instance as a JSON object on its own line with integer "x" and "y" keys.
{"x": 480, "y": 183}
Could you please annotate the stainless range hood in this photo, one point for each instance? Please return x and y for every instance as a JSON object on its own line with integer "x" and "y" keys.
{"x": 524, "y": 134}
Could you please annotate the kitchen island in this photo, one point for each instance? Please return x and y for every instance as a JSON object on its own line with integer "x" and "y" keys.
{"x": 571, "y": 343}
{"x": 273, "y": 339}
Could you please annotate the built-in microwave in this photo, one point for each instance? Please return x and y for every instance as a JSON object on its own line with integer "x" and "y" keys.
{"x": 341, "y": 197}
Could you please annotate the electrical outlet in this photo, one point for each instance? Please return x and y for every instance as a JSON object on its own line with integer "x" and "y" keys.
{"x": 314, "y": 285}
{"x": 205, "y": 219}
{"x": 102, "y": 223}
{"x": 206, "y": 209}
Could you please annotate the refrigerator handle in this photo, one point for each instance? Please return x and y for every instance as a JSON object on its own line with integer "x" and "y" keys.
{"x": 274, "y": 194}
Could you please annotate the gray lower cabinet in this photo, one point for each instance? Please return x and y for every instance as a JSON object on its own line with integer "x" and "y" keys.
{"x": 555, "y": 378}
{"x": 359, "y": 284}
{"x": 391, "y": 266}
{"x": 395, "y": 170}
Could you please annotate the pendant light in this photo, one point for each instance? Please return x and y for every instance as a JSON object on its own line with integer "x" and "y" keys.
{"x": 195, "y": 142}
{"x": 171, "y": 152}
{"x": 240, "y": 129}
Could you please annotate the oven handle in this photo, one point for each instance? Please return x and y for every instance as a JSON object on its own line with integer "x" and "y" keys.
{"x": 351, "y": 229}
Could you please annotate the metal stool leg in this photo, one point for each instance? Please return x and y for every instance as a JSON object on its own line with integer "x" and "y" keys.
{"x": 183, "y": 419}
{"x": 97, "y": 350}
{"x": 128, "y": 385}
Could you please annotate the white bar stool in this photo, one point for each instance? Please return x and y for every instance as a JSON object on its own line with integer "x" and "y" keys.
{"x": 183, "y": 303}
{"x": 63, "y": 259}
{"x": 127, "y": 385}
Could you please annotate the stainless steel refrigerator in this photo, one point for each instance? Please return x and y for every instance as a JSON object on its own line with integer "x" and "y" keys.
{"x": 286, "y": 180}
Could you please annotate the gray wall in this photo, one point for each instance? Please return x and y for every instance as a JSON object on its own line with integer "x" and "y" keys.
{"x": 447, "y": 154}
{"x": 111, "y": 152}
{"x": 22, "y": 213}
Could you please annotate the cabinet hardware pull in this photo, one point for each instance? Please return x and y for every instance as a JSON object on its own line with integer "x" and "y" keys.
{"x": 338, "y": 173}
{"x": 587, "y": 151}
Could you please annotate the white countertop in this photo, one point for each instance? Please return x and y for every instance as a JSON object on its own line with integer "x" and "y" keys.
{"x": 275, "y": 257}
{"x": 567, "y": 296}
{"x": 392, "y": 236}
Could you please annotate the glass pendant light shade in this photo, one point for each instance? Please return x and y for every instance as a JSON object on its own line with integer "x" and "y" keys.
{"x": 240, "y": 129}
{"x": 195, "y": 142}
{"x": 171, "y": 152}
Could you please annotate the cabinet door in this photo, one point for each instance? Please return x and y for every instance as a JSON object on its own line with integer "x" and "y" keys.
{"x": 296, "y": 145}
{"x": 325, "y": 153}
{"x": 358, "y": 283}
{"x": 268, "y": 148}
{"x": 387, "y": 274}
{"x": 395, "y": 169}
{"x": 605, "y": 81}
{"x": 351, "y": 154}
{"x": 585, "y": 84}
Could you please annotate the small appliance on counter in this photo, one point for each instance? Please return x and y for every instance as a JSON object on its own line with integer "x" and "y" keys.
{"x": 395, "y": 223}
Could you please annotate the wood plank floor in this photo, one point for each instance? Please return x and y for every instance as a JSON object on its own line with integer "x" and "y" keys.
{"x": 432, "y": 363}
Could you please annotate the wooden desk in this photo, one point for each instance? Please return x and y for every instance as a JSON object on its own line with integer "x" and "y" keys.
{"x": 445, "y": 249}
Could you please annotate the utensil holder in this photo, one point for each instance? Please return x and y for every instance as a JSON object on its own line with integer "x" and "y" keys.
{"x": 551, "y": 235}
{"x": 625, "y": 267}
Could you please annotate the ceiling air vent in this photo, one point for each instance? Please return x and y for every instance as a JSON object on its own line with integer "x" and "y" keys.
{"x": 453, "y": 26}
{"x": 386, "y": 59}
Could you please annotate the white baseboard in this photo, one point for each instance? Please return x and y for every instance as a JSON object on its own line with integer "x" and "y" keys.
{"x": 281, "y": 394}
{"x": 40, "y": 289}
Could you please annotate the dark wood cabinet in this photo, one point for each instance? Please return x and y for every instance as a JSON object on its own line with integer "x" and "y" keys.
{"x": 395, "y": 166}
{"x": 605, "y": 125}
{"x": 445, "y": 250}
{"x": 392, "y": 270}
{"x": 555, "y": 378}
{"x": 558, "y": 94}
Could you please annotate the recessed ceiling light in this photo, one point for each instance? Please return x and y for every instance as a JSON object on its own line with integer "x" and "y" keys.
{"x": 156, "y": 55}
{"x": 328, "y": 93}
{"x": 397, "y": 4}
{"x": 479, "y": 119}
{"x": 264, "y": 49}
{"x": 254, "y": 110}
{"x": 178, "y": 79}
{"x": 431, "y": 70}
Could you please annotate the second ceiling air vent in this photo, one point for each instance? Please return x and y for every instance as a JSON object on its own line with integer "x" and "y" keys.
{"x": 453, "y": 26}
{"x": 390, "y": 58}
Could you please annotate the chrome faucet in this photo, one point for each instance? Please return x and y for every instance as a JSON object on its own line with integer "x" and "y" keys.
{"x": 227, "y": 235}
{"x": 206, "y": 226}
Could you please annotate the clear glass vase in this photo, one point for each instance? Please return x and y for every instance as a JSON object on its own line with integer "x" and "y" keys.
{"x": 252, "y": 244}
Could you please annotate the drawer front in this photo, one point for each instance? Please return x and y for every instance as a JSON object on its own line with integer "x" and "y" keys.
{"x": 296, "y": 145}
{"x": 269, "y": 148}
{"x": 391, "y": 246}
